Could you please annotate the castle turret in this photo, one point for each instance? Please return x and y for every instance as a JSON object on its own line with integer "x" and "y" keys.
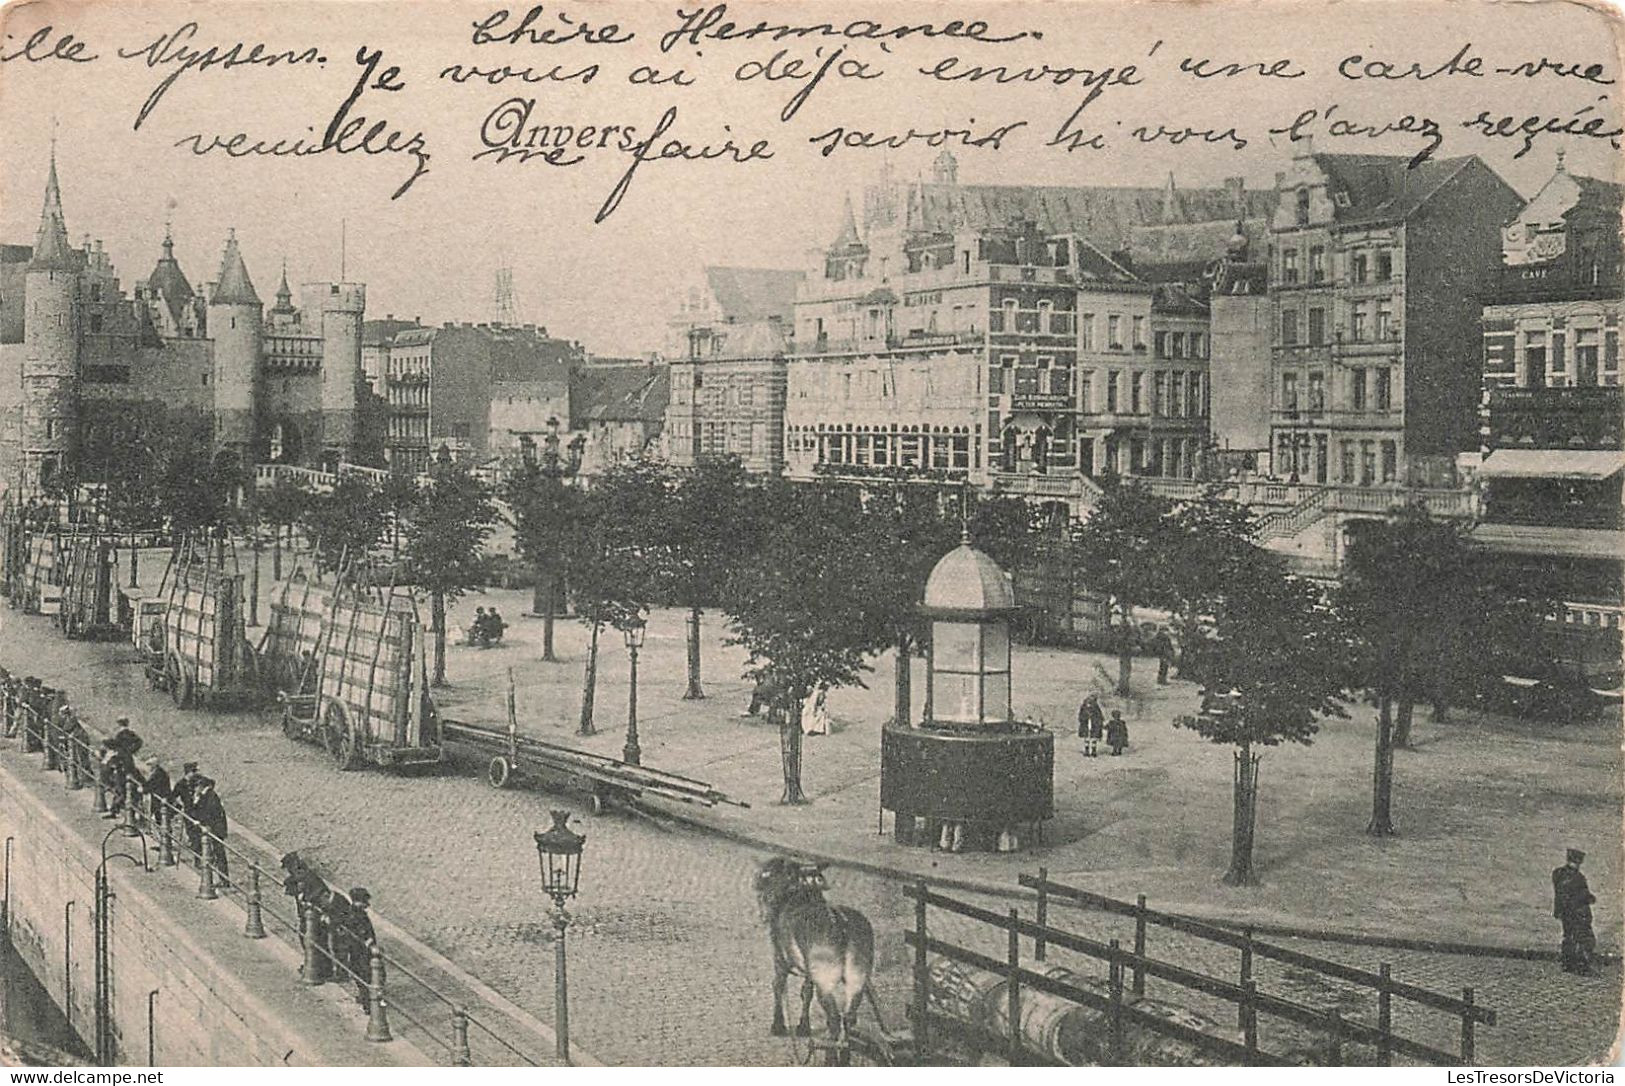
{"x": 234, "y": 326}
{"x": 50, "y": 367}
{"x": 342, "y": 308}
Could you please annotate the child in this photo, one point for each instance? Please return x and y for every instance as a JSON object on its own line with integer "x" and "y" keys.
{"x": 1117, "y": 732}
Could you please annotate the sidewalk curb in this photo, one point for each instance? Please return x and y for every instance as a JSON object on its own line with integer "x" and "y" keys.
{"x": 977, "y": 886}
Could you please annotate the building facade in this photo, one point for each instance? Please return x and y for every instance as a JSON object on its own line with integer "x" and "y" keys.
{"x": 1374, "y": 272}
{"x": 281, "y": 384}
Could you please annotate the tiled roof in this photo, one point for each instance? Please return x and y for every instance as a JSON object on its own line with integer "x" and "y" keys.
{"x": 52, "y": 251}
{"x": 1385, "y": 188}
{"x": 620, "y": 394}
{"x": 375, "y": 333}
{"x": 15, "y": 254}
{"x": 170, "y": 283}
{"x": 1194, "y": 242}
{"x": 234, "y": 286}
{"x": 525, "y": 356}
{"x": 756, "y": 339}
{"x": 750, "y": 294}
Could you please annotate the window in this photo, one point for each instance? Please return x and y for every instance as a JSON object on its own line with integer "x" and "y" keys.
{"x": 1317, "y": 392}
{"x": 1114, "y": 332}
{"x": 1317, "y": 264}
{"x": 1158, "y": 394}
{"x": 1385, "y": 319}
{"x": 995, "y": 380}
{"x": 1385, "y": 388}
{"x": 1060, "y": 381}
{"x": 1179, "y": 344}
{"x": 1385, "y": 266}
{"x": 1026, "y": 380}
{"x": 1289, "y": 327}
{"x": 1320, "y": 458}
{"x": 1289, "y": 392}
{"x": 1357, "y": 318}
{"x": 1196, "y": 405}
{"x": 1086, "y": 381}
{"x": 1086, "y": 331}
{"x": 95, "y": 292}
{"x": 1357, "y": 389}
{"x": 1111, "y": 392}
{"x": 1009, "y": 311}
{"x": 1303, "y": 207}
{"x": 1161, "y": 343}
{"x": 1390, "y": 461}
{"x": 1317, "y": 326}
{"x": 1176, "y": 394}
{"x": 846, "y": 385}
{"x": 1139, "y": 334}
{"x": 1357, "y": 269}
{"x": 1289, "y": 265}
{"x": 1368, "y": 463}
{"x": 1046, "y": 316}
{"x": 96, "y": 324}
{"x": 1585, "y": 356}
{"x": 1534, "y": 358}
{"x": 1348, "y": 461}
{"x": 1198, "y": 345}
{"x": 1136, "y": 392}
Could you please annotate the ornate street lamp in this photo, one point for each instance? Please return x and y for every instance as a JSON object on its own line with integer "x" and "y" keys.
{"x": 634, "y": 641}
{"x": 559, "y": 851}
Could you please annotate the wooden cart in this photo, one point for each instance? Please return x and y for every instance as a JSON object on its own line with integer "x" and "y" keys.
{"x": 88, "y": 588}
{"x": 349, "y": 664}
{"x": 204, "y": 653}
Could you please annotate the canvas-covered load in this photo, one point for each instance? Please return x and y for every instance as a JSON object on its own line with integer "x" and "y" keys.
{"x": 87, "y": 597}
{"x": 41, "y": 574}
{"x": 203, "y": 624}
{"x": 13, "y": 549}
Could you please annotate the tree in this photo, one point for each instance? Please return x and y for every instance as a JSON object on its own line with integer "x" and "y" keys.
{"x": 123, "y": 453}
{"x": 400, "y": 493}
{"x": 1271, "y": 665}
{"x": 345, "y": 523}
{"x": 614, "y": 556}
{"x": 798, "y": 608}
{"x": 544, "y": 514}
{"x": 282, "y": 505}
{"x": 1124, "y": 550}
{"x": 444, "y": 545}
{"x": 710, "y": 528}
{"x": 1415, "y": 594}
{"x": 904, "y": 531}
{"x": 192, "y": 486}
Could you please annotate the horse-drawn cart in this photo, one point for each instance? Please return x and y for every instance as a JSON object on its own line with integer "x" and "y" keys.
{"x": 88, "y": 581}
{"x": 350, "y": 668}
{"x": 199, "y": 650}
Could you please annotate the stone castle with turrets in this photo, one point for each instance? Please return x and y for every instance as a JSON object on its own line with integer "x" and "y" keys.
{"x": 81, "y": 358}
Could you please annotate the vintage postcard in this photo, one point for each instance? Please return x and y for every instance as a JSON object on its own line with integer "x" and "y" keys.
{"x": 770, "y": 534}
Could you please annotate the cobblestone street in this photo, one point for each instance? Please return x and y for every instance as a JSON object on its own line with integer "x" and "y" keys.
{"x": 669, "y": 961}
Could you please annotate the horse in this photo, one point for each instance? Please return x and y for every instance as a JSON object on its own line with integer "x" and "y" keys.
{"x": 831, "y": 947}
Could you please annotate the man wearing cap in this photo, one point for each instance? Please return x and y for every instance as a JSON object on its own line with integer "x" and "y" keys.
{"x": 185, "y": 796}
{"x": 359, "y": 939}
{"x": 155, "y": 783}
{"x": 211, "y": 816}
{"x": 1571, "y": 904}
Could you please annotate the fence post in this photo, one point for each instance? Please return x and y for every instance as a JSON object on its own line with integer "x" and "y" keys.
{"x": 1013, "y": 989}
{"x": 922, "y": 980}
{"x": 1114, "y": 973}
{"x": 74, "y": 781}
{"x": 1467, "y": 1026}
{"x": 100, "y": 805}
{"x": 310, "y": 972}
{"x": 129, "y": 807}
{"x": 205, "y": 885}
{"x": 1246, "y": 973}
{"x": 460, "y": 1055}
{"x": 1043, "y": 913}
{"x": 166, "y": 836}
{"x": 1336, "y": 1057}
{"x": 254, "y": 924}
{"x": 377, "y": 1019}
{"x": 1249, "y": 1016}
{"x": 1385, "y": 1017}
{"x": 1139, "y": 945}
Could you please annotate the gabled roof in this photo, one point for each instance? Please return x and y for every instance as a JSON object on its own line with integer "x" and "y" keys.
{"x": 1385, "y": 188}
{"x": 620, "y": 394}
{"x": 169, "y": 283}
{"x": 755, "y": 339}
{"x": 234, "y": 287}
{"x": 751, "y": 294}
{"x": 52, "y": 252}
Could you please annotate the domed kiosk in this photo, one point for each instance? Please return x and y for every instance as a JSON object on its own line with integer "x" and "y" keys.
{"x": 969, "y": 775}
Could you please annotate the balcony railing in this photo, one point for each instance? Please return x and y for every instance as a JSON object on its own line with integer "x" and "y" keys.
{"x": 1032, "y": 322}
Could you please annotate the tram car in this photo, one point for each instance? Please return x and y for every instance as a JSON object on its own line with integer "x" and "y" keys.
{"x": 350, "y": 667}
{"x": 198, "y": 649}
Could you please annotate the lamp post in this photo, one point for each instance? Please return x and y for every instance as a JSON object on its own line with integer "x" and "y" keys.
{"x": 633, "y": 754}
{"x": 554, "y": 470}
{"x": 559, "y": 852}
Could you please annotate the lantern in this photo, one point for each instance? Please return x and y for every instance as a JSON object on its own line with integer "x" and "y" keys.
{"x": 559, "y": 851}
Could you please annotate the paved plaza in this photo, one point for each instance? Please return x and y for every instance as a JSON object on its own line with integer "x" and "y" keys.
{"x": 669, "y": 957}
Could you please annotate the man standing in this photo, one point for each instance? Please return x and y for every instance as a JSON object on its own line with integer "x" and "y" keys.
{"x": 155, "y": 782}
{"x": 1571, "y": 904}
{"x": 185, "y": 797}
{"x": 359, "y": 939}
{"x": 1163, "y": 646}
{"x": 1091, "y": 723}
{"x": 211, "y": 816}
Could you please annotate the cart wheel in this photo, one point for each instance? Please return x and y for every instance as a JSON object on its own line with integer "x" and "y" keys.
{"x": 498, "y": 772}
{"x": 181, "y": 687}
{"x": 597, "y": 802}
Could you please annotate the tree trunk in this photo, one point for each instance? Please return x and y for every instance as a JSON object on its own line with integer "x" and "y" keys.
{"x": 547, "y": 587}
{"x": 135, "y": 549}
{"x": 1441, "y": 708}
{"x": 1382, "y": 782}
{"x": 903, "y": 696}
{"x": 1402, "y": 720}
{"x": 1125, "y": 667}
{"x": 438, "y": 600}
{"x": 695, "y": 691}
{"x": 790, "y": 747}
{"x": 589, "y": 689}
{"x": 1244, "y": 819}
{"x": 254, "y": 586}
{"x": 276, "y": 553}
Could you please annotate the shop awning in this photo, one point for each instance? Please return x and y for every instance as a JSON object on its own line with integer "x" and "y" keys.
{"x": 1593, "y": 464}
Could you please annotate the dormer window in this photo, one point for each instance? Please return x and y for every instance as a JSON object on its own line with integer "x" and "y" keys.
{"x": 1340, "y": 198}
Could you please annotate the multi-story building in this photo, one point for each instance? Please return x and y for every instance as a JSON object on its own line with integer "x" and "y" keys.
{"x": 1375, "y": 268}
{"x": 1553, "y": 403}
{"x": 727, "y": 347}
{"x": 280, "y": 384}
{"x": 477, "y": 389}
{"x": 618, "y": 410}
{"x": 985, "y": 332}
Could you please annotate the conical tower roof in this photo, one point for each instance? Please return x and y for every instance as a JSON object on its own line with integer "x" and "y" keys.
{"x": 235, "y": 287}
{"x": 168, "y": 281}
{"x": 52, "y": 252}
{"x": 284, "y": 295}
{"x": 848, "y": 237}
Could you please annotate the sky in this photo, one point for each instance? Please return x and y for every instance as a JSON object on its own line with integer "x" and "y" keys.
{"x": 433, "y": 251}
